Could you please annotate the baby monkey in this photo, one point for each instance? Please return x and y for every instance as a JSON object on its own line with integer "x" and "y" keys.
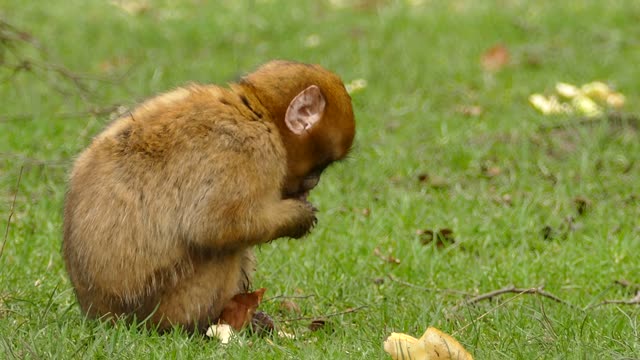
{"x": 165, "y": 205}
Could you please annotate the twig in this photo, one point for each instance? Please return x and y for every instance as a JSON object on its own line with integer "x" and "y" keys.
{"x": 634, "y": 301}
{"x": 349, "y": 311}
{"x": 512, "y": 290}
{"x": 288, "y": 297}
{"x": 408, "y": 284}
{"x": 486, "y": 313}
{"x": 11, "y": 212}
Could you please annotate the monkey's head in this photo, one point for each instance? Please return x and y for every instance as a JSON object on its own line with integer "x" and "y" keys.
{"x": 313, "y": 112}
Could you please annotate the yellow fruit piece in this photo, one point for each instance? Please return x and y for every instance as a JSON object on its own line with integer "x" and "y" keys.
{"x": 596, "y": 90}
{"x": 567, "y": 90}
{"x": 616, "y": 100}
{"x": 586, "y": 106}
{"x": 433, "y": 345}
{"x": 550, "y": 105}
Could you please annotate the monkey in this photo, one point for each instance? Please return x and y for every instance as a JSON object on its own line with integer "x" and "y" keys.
{"x": 165, "y": 205}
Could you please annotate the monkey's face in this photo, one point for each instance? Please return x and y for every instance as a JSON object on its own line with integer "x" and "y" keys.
{"x": 320, "y": 129}
{"x": 298, "y": 187}
{"x": 310, "y": 155}
{"x": 304, "y": 172}
{"x": 314, "y": 115}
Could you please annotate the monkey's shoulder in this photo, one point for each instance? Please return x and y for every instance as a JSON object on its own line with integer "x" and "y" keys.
{"x": 195, "y": 117}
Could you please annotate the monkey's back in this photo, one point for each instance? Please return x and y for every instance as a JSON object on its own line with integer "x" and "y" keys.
{"x": 147, "y": 199}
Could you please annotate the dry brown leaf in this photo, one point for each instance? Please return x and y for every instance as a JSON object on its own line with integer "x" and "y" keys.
{"x": 433, "y": 345}
{"x": 470, "y": 110}
{"x": 442, "y": 237}
{"x": 434, "y": 181}
{"x": 262, "y": 324}
{"x": 239, "y": 311}
{"x": 317, "y": 324}
{"x": 582, "y": 204}
{"x": 495, "y": 58}
{"x": 492, "y": 171}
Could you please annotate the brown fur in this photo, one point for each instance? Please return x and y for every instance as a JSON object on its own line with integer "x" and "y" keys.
{"x": 164, "y": 206}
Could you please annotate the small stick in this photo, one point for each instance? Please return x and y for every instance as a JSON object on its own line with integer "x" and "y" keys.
{"x": 349, "y": 311}
{"x": 11, "y": 212}
{"x": 511, "y": 289}
{"x": 634, "y": 301}
{"x": 288, "y": 297}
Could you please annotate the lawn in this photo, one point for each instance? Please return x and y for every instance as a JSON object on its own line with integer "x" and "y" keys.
{"x": 444, "y": 146}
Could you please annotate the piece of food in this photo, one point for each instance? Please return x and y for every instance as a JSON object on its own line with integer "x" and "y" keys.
{"x": 433, "y": 345}
{"x": 223, "y": 332}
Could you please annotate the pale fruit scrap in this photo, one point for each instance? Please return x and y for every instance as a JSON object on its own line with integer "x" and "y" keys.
{"x": 586, "y": 106}
{"x": 567, "y": 90}
{"x": 590, "y": 99}
{"x": 433, "y": 345}
{"x": 223, "y": 332}
{"x": 550, "y": 105}
{"x": 540, "y": 103}
{"x": 596, "y": 90}
{"x": 616, "y": 100}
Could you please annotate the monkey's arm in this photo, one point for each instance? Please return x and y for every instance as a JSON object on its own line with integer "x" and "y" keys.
{"x": 237, "y": 199}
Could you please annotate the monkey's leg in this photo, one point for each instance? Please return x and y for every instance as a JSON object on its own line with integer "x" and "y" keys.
{"x": 197, "y": 299}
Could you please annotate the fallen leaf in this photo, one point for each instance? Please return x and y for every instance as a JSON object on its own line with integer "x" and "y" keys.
{"x": 495, "y": 58}
{"x": 547, "y": 232}
{"x": 491, "y": 171}
{"x": 582, "y": 204}
{"x": 317, "y": 324}
{"x": 239, "y": 311}
{"x": 262, "y": 324}
{"x": 443, "y": 237}
{"x": 433, "y": 345}
{"x": 470, "y": 110}
{"x": 434, "y": 181}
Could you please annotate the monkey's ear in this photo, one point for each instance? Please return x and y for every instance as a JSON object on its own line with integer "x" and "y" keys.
{"x": 305, "y": 110}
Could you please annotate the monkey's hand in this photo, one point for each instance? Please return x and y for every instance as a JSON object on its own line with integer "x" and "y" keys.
{"x": 297, "y": 217}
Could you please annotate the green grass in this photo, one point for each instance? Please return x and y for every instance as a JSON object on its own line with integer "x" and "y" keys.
{"x": 421, "y": 64}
